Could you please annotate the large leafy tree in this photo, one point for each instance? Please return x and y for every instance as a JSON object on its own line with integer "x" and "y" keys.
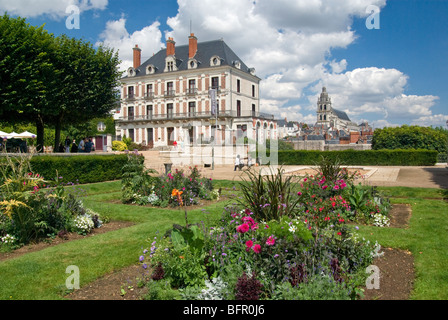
{"x": 88, "y": 81}
{"x": 410, "y": 137}
{"x": 28, "y": 79}
{"x": 54, "y": 81}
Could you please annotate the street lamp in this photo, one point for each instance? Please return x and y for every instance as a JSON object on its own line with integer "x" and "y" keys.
{"x": 213, "y": 120}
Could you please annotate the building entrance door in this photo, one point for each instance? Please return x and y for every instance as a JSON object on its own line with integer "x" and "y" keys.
{"x": 170, "y": 132}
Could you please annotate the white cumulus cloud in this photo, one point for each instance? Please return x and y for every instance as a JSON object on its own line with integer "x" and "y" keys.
{"x": 55, "y": 9}
{"x": 116, "y": 36}
{"x": 290, "y": 45}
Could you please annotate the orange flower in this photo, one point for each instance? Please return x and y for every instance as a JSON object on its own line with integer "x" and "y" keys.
{"x": 182, "y": 257}
{"x": 176, "y": 193}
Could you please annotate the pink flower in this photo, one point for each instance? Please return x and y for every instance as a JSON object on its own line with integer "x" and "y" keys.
{"x": 336, "y": 187}
{"x": 324, "y": 187}
{"x": 270, "y": 241}
{"x": 257, "y": 248}
{"x": 254, "y": 226}
{"x": 248, "y": 220}
{"x": 249, "y": 245}
{"x": 299, "y": 193}
{"x": 243, "y": 228}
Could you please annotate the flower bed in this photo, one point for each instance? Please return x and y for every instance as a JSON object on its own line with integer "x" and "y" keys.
{"x": 283, "y": 240}
{"x": 143, "y": 187}
{"x": 32, "y": 211}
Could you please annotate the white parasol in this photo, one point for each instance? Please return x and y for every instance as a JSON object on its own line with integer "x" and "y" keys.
{"x": 25, "y": 135}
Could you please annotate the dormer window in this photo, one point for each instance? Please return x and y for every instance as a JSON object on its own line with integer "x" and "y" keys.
{"x": 237, "y": 64}
{"x": 215, "y": 61}
{"x": 150, "y": 69}
{"x": 170, "y": 64}
{"x": 192, "y": 64}
{"x": 131, "y": 72}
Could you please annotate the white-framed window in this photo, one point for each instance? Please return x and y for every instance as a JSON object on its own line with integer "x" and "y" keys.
{"x": 150, "y": 69}
{"x": 215, "y": 61}
{"x": 131, "y": 72}
{"x": 101, "y": 127}
{"x": 192, "y": 64}
{"x": 170, "y": 64}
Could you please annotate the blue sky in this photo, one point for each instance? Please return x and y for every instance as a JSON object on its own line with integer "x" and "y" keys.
{"x": 389, "y": 76}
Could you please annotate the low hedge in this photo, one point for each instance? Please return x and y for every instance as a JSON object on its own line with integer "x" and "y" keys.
{"x": 366, "y": 157}
{"x": 79, "y": 168}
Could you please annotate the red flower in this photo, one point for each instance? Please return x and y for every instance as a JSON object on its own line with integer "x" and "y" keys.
{"x": 339, "y": 233}
{"x": 249, "y": 245}
{"x": 243, "y": 228}
{"x": 257, "y": 248}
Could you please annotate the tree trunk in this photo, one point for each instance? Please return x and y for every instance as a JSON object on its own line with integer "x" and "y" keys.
{"x": 57, "y": 132}
{"x": 40, "y": 134}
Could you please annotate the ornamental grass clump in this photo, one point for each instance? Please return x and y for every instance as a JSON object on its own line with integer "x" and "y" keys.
{"x": 269, "y": 196}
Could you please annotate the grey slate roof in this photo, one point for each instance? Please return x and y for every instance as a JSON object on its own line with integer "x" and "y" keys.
{"x": 283, "y": 123}
{"x": 315, "y": 137}
{"x": 341, "y": 114}
{"x": 206, "y": 50}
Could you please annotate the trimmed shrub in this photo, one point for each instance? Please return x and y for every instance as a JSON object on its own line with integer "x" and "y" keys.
{"x": 80, "y": 168}
{"x": 119, "y": 146}
{"x": 356, "y": 157}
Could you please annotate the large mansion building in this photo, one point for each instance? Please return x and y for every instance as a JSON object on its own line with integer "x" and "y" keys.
{"x": 192, "y": 94}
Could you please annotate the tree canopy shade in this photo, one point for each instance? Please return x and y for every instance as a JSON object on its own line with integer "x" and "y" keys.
{"x": 51, "y": 80}
{"x": 410, "y": 137}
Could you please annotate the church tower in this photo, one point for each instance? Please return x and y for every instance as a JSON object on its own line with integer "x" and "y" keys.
{"x": 324, "y": 108}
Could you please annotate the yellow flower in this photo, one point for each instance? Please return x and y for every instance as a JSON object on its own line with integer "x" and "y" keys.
{"x": 8, "y": 206}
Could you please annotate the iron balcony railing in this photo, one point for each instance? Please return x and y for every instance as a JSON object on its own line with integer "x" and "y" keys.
{"x": 192, "y": 91}
{"x": 149, "y": 95}
{"x": 170, "y": 93}
{"x": 130, "y": 97}
{"x": 198, "y": 115}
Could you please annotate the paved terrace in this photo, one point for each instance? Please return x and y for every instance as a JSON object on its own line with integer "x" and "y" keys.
{"x": 416, "y": 177}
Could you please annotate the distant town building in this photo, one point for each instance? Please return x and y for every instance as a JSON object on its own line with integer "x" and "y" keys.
{"x": 287, "y": 128}
{"x": 331, "y": 117}
{"x": 333, "y": 130}
{"x": 192, "y": 94}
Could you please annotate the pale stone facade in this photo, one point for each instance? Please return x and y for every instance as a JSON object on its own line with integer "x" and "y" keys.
{"x": 167, "y": 99}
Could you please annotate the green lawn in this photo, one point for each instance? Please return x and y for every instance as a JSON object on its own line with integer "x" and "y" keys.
{"x": 41, "y": 275}
{"x": 426, "y": 238}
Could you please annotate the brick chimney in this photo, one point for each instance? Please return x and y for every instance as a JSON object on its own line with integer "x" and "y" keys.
{"x": 193, "y": 46}
{"x": 137, "y": 57}
{"x": 170, "y": 47}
